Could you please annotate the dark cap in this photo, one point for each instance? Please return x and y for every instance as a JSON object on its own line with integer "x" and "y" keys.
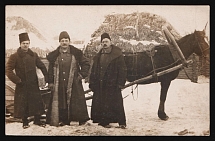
{"x": 64, "y": 34}
{"x": 105, "y": 35}
{"x": 23, "y": 37}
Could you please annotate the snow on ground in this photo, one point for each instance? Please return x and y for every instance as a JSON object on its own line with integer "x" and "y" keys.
{"x": 187, "y": 105}
{"x": 147, "y": 25}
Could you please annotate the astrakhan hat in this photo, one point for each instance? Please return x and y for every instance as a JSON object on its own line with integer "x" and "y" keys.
{"x": 23, "y": 37}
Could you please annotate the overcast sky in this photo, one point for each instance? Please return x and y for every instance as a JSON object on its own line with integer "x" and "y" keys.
{"x": 82, "y": 21}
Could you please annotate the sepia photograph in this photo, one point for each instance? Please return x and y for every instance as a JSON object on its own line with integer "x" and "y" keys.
{"x": 107, "y": 70}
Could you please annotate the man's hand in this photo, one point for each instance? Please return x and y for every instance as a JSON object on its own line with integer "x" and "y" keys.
{"x": 80, "y": 77}
{"x": 45, "y": 86}
{"x": 86, "y": 80}
{"x": 51, "y": 86}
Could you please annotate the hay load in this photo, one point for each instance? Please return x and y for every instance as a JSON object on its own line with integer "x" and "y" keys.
{"x": 133, "y": 32}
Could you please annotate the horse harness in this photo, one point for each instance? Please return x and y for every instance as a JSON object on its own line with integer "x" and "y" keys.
{"x": 202, "y": 50}
{"x": 151, "y": 52}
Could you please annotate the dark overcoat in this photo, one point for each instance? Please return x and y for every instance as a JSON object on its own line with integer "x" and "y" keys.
{"x": 78, "y": 108}
{"x": 107, "y": 102}
{"x": 28, "y": 91}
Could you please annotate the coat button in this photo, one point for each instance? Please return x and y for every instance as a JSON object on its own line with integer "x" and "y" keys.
{"x": 63, "y": 72}
{"x": 64, "y": 79}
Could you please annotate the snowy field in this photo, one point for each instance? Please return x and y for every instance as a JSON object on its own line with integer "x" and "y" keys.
{"x": 187, "y": 106}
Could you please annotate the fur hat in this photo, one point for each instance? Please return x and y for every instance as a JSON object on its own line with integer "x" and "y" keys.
{"x": 64, "y": 34}
{"x": 105, "y": 35}
{"x": 23, "y": 37}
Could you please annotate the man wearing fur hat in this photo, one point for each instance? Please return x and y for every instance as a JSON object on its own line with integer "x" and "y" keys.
{"x": 108, "y": 76}
{"x": 67, "y": 68}
{"x": 27, "y": 98}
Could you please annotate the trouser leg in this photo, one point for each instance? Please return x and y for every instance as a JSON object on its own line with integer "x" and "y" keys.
{"x": 25, "y": 114}
{"x": 36, "y": 118}
{"x": 63, "y": 116}
{"x": 25, "y": 118}
{"x": 38, "y": 122}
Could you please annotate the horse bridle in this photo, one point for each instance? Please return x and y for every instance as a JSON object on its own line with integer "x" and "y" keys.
{"x": 203, "y": 54}
{"x": 202, "y": 51}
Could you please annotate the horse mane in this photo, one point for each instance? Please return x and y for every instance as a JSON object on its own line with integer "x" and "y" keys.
{"x": 185, "y": 38}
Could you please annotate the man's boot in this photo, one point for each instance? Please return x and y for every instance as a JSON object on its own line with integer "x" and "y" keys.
{"x": 25, "y": 123}
{"x": 38, "y": 122}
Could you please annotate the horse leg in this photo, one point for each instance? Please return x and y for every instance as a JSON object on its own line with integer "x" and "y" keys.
{"x": 164, "y": 88}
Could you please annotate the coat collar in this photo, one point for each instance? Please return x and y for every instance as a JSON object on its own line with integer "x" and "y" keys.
{"x": 115, "y": 52}
{"x": 106, "y": 50}
{"x": 52, "y": 56}
{"x": 61, "y": 51}
{"x": 22, "y": 53}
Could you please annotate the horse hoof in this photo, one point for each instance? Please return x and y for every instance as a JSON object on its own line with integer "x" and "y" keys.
{"x": 166, "y": 118}
{"x": 162, "y": 116}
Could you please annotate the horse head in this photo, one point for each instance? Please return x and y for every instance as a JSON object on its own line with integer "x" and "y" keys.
{"x": 203, "y": 47}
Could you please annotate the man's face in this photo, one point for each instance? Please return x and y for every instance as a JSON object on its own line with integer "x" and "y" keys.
{"x": 25, "y": 45}
{"x": 106, "y": 43}
{"x": 64, "y": 43}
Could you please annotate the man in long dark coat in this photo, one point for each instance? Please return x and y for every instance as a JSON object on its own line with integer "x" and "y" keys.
{"x": 67, "y": 68}
{"x": 27, "y": 98}
{"x": 108, "y": 76}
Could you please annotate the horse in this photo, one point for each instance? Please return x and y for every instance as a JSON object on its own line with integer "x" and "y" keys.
{"x": 142, "y": 64}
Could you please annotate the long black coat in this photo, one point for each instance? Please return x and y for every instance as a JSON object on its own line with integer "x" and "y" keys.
{"x": 78, "y": 107}
{"x": 107, "y": 102}
{"x": 28, "y": 92}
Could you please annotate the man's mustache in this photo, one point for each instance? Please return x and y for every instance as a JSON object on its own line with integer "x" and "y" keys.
{"x": 104, "y": 45}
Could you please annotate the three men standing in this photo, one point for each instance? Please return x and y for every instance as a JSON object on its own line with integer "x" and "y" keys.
{"x": 67, "y": 68}
{"x": 27, "y": 97}
{"x": 108, "y": 76}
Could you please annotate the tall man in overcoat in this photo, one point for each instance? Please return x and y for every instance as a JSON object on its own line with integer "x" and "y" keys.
{"x": 108, "y": 76}
{"x": 67, "y": 68}
{"x": 27, "y": 99}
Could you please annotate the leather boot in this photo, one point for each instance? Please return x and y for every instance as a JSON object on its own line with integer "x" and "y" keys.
{"x": 25, "y": 123}
{"x": 38, "y": 122}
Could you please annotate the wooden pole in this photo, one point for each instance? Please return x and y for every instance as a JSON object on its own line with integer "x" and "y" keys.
{"x": 147, "y": 77}
{"x": 194, "y": 69}
{"x": 169, "y": 35}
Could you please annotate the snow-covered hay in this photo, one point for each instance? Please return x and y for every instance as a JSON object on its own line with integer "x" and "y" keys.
{"x": 131, "y": 32}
